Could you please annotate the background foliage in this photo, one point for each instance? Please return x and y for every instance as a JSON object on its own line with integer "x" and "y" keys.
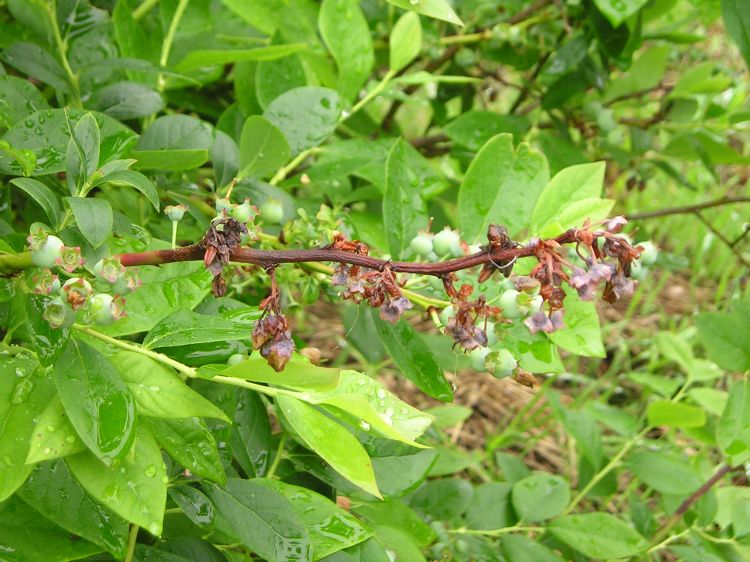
{"x": 370, "y": 118}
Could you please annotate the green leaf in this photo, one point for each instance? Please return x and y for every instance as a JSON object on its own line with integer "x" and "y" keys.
{"x": 174, "y": 142}
{"x": 18, "y": 98}
{"x": 474, "y": 128}
{"x": 211, "y": 57}
{"x": 306, "y": 116}
{"x": 438, "y": 9}
{"x": 405, "y": 41}
{"x": 225, "y": 155}
{"x": 263, "y": 15}
{"x": 23, "y": 396}
{"x": 252, "y": 443}
{"x": 534, "y": 352}
{"x": 189, "y": 442}
{"x": 47, "y": 342}
{"x": 50, "y": 146}
{"x": 726, "y": 336}
{"x": 413, "y": 357}
{"x": 53, "y": 491}
{"x": 43, "y": 196}
{"x": 53, "y": 436}
{"x": 404, "y": 211}
{"x": 94, "y": 218}
{"x": 30, "y": 537}
{"x": 443, "y": 500}
{"x": 194, "y": 504}
{"x": 187, "y": 327}
{"x": 263, "y": 148}
{"x": 403, "y": 472}
{"x": 593, "y": 209}
{"x": 127, "y": 100}
{"x": 171, "y": 159}
{"x": 675, "y": 414}
{"x": 330, "y": 528}
{"x": 598, "y": 535}
{"x": 491, "y": 507}
{"x": 737, "y": 23}
{"x": 733, "y": 431}
{"x": 568, "y": 186}
{"x": 133, "y": 179}
{"x": 346, "y": 34}
{"x": 297, "y": 374}
{"x": 263, "y": 520}
{"x": 82, "y": 152}
{"x": 331, "y": 442}
{"x": 518, "y": 548}
{"x": 97, "y": 401}
{"x": 273, "y": 78}
{"x": 373, "y": 407}
{"x": 582, "y": 333}
{"x": 159, "y": 392}
{"x": 35, "y": 61}
{"x": 665, "y": 473}
{"x": 135, "y": 489}
{"x": 155, "y": 300}
{"x": 644, "y": 74}
{"x": 540, "y": 496}
{"x": 501, "y": 186}
{"x": 617, "y": 11}
{"x": 397, "y": 514}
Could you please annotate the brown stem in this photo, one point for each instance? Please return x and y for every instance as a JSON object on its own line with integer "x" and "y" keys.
{"x": 690, "y": 500}
{"x": 686, "y": 209}
{"x": 723, "y": 238}
{"x": 269, "y": 258}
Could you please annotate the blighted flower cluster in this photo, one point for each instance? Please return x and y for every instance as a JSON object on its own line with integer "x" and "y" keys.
{"x": 80, "y": 297}
{"x": 271, "y": 334}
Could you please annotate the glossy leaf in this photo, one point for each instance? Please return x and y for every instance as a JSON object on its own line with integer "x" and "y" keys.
{"x": 47, "y": 342}
{"x": 399, "y": 474}
{"x": 53, "y": 436}
{"x": 404, "y": 211}
{"x": 330, "y": 528}
{"x": 568, "y": 186}
{"x": 96, "y": 400}
{"x": 187, "y": 327}
{"x": 346, "y": 34}
{"x": 51, "y": 145}
{"x": 263, "y": 520}
{"x": 136, "y": 489}
{"x": 194, "y": 504}
{"x": 473, "y": 129}
{"x": 439, "y": 9}
{"x": 208, "y": 57}
{"x": 331, "y": 442}
{"x": 36, "y": 61}
{"x": 252, "y": 443}
{"x": 405, "y": 41}
{"x": 159, "y": 392}
{"x": 540, "y": 496}
{"x": 189, "y": 442}
{"x": 306, "y": 116}
{"x": 94, "y": 218}
{"x": 18, "y": 98}
{"x": 413, "y": 357}
{"x": 174, "y": 142}
{"x": 82, "y": 152}
{"x": 501, "y": 186}
{"x": 598, "y": 535}
{"x": 582, "y": 333}
{"x": 43, "y": 196}
{"x": 53, "y": 491}
{"x": 297, "y": 374}
{"x": 31, "y": 537}
{"x": 133, "y": 179}
{"x": 263, "y": 148}
{"x": 23, "y": 396}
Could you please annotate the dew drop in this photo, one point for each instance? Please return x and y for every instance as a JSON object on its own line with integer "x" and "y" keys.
{"x": 150, "y": 471}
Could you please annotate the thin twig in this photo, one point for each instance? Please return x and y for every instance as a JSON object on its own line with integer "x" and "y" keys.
{"x": 727, "y": 242}
{"x": 686, "y": 209}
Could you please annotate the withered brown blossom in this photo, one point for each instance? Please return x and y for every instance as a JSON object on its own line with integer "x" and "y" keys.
{"x": 271, "y": 334}
{"x": 224, "y": 234}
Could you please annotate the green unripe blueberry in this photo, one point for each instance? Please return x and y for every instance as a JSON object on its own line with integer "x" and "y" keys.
{"x": 649, "y": 254}
{"x": 245, "y": 212}
{"x": 421, "y": 244}
{"x": 505, "y": 364}
{"x": 535, "y": 305}
{"x": 509, "y": 303}
{"x": 447, "y": 242}
{"x": 638, "y": 271}
{"x": 102, "y": 309}
{"x": 478, "y": 358}
{"x": 48, "y": 252}
{"x": 489, "y": 328}
{"x": 446, "y": 314}
{"x": 58, "y": 313}
{"x": 236, "y": 359}
{"x": 272, "y": 211}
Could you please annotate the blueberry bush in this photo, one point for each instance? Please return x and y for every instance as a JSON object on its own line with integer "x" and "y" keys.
{"x": 253, "y": 253}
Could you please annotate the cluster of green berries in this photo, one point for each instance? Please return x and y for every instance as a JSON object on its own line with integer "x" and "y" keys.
{"x": 446, "y": 243}
{"x": 271, "y": 210}
{"x": 76, "y": 299}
